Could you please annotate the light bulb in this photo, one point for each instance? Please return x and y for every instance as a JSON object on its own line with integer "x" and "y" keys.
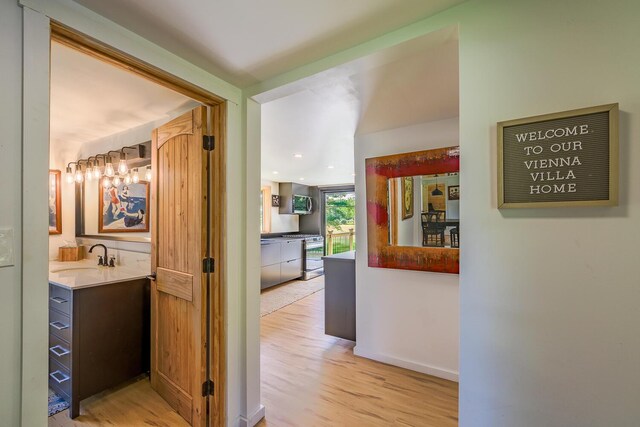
{"x": 147, "y": 174}
{"x": 79, "y": 175}
{"x": 116, "y": 180}
{"x": 127, "y": 179}
{"x": 106, "y": 182}
{"x": 88, "y": 174}
{"x": 108, "y": 169}
{"x": 96, "y": 172}
{"x": 122, "y": 166}
{"x": 69, "y": 175}
{"x": 136, "y": 176}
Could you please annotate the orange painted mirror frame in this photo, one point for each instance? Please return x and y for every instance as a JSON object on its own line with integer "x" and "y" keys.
{"x": 378, "y": 170}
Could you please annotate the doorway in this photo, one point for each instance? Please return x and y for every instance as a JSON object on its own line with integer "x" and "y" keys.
{"x": 186, "y": 189}
{"x": 339, "y": 219}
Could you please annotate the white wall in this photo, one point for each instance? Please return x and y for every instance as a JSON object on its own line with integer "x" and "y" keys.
{"x": 549, "y": 297}
{"x": 406, "y": 318}
{"x": 280, "y": 223}
{"x": 10, "y": 177}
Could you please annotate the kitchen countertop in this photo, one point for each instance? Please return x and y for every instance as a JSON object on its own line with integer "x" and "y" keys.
{"x": 342, "y": 256}
{"x": 86, "y": 274}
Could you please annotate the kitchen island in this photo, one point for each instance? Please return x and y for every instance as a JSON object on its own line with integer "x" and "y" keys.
{"x": 340, "y": 295}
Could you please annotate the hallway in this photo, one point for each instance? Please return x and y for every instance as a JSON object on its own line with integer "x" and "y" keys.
{"x": 313, "y": 379}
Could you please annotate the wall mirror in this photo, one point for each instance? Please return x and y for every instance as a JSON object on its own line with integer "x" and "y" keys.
{"x": 413, "y": 209}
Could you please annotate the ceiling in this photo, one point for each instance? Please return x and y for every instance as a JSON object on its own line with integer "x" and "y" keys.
{"x": 91, "y": 99}
{"x": 248, "y": 41}
{"x": 318, "y": 117}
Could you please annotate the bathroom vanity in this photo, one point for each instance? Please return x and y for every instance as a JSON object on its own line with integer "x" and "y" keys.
{"x": 99, "y": 323}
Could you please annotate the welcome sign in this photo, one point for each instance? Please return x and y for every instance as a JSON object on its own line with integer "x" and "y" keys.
{"x": 560, "y": 159}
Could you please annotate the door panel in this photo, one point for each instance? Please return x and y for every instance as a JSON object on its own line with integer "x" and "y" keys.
{"x": 179, "y": 243}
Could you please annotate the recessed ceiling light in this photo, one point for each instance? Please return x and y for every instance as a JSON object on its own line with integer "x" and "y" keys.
{"x": 275, "y": 172}
{"x": 329, "y": 167}
{"x": 353, "y": 174}
{"x": 297, "y": 156}
{"x": 301, "y": 179}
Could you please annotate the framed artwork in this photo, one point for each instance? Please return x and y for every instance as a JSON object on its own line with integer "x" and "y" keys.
{"x": 55, "y": 203}
{"x": 123, "y": 208}
{"x": 454, "y": 192}
{"x": 407, "y": 197}
{"x": 275, "y": 201}
{"x": 379, "y": 170}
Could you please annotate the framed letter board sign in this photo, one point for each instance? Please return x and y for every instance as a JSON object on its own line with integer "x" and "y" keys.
{"x": 559, "y": 160}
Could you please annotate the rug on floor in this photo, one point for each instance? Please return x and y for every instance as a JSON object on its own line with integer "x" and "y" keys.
{"x": 280, "y": 296}
{"x": 56, "y": 403}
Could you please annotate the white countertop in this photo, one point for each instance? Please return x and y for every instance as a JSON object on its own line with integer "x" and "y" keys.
{"x": 85, "y": 274}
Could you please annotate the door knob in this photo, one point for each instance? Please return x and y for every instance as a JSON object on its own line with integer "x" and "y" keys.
{"x": 152, "y": 276}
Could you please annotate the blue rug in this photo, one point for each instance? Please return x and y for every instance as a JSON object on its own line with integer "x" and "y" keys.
{"x": 56, "y": 403}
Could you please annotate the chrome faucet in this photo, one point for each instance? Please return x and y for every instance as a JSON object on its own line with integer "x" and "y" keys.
{"x": 101, "y": 260}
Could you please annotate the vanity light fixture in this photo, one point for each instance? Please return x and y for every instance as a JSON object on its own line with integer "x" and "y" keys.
{"x": 147, "y": 174}
{"x": 127, "y": 179}
{"x": 78, "y": 176}
{"x": 106, "y": 182}
{"x": 122, "y": 164}
{"x": 88, "y": 172}
{"x": 69, "y": 175}
{"x": 135, "y": 177}
{"x": 116, "y": 180}
{"x": 108, "y": 167}
{"x": 96, "y": 168}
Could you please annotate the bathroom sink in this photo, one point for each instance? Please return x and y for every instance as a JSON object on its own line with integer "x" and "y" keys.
{"x": 64, "y": 269}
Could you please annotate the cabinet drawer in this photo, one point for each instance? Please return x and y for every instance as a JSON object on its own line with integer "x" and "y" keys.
{"x": 60, "y": 325}
{"x": 269, "y": 276}
{"x": 60, "y": 351}
{"x": 291, "y": 249}
{"x": 60, "y": 299}
{"x": 270, "y": 254}
{"x": 291, "y": 270}
{"x": 59, "y": 378}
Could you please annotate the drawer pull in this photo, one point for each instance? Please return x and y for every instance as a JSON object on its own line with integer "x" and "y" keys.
{"x": 58, "y": 300}
{"x": 59, "y": 377}
{"x": 59, "y": 325}
{"x": 59, "y": 350}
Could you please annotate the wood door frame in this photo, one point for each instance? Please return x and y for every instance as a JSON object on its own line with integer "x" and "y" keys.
{"x": 103, "y": 52}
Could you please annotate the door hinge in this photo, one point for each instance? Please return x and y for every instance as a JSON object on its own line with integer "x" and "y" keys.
{"x": 208, "y": 265}
{"x": 208, "y": 142}
{"x": 207, "y": 388}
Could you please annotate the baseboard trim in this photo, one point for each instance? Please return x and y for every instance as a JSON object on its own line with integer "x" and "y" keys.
{"x": 407, "y": 364}
{"x": 253, "y": 419}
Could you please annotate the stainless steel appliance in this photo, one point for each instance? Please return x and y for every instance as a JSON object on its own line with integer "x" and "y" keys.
{"x": 302, "y": 205}
{"x": 312, "y": 253}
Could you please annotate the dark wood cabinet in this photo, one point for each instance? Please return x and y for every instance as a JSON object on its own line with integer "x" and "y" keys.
{"x": 98, "y": 338}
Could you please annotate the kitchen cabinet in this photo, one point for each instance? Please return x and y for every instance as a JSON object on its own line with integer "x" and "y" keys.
{"x": 98, "y": 337}
{"x": 281, "y": 261}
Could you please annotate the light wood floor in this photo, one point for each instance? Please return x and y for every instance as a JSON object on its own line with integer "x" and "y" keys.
{"x": 134, "y": 404}
{"x": 311, "y": 379}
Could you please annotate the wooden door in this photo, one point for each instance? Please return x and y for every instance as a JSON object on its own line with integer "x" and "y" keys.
{"x": 181, "y": 242}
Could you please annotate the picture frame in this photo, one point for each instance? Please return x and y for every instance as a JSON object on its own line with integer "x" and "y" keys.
{"x": 585, "y": 159}
{"x": 380, "y": 252}
{"x": 275, "y": 201}
{"x": 55, "y": 202}
{"x": 123, "y": 208}
{"x": 453, "y": 192}
{"x": 407, "y": 197}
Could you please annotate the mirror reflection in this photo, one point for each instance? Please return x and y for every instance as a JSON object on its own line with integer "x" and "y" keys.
{"x": 424, "y": 210}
